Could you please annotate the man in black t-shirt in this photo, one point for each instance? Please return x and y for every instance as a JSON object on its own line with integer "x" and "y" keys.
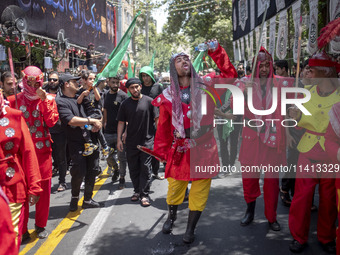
{"x": 73, "y": 117}
{"x": 140, "y": 115}
{"x": 112, "y": 102}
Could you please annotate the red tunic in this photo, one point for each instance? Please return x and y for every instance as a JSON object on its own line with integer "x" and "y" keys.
{"x": 7, "y": 234}
{"x": 190, "y": 162}
{"x": 17, "y": 153}
{"x": 39, "y": 116}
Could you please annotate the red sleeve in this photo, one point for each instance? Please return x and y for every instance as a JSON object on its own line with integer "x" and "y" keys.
{"x": 332, "y": 144}
{"x": 50, "y": 111}
{"x": 222, "y": 61}
{"x": 164, "y": 135}
{"x": 29, "y": 162}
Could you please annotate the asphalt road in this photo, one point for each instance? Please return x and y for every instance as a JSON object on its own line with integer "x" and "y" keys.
{"x": 125, "y": 227}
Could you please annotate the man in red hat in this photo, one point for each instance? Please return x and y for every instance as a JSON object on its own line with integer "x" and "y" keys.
{"x": 312, "y": 156}
{"x": 263, "y": 145}
{"x": 40, "y": 113}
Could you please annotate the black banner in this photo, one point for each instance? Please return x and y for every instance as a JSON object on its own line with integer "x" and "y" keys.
{"x": 84, "y": 21}
{"x": 243, "y": 12}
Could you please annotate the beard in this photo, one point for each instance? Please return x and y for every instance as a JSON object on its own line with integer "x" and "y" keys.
{"x": 53, "y": 86}
{"x": 115, "y": 89}
{"x": 136, "y": 96}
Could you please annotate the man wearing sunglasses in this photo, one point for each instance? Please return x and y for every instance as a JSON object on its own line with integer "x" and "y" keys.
{"x": 53, "y": 82}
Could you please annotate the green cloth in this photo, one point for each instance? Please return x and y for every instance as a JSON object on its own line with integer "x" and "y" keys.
{"x": 149, "y": 71}
{"x": 130, "y": 72}
{"x": 198, "y": 62}
{"x": 152, "y": 62}
{"x": 227, "y": 128}
{"x": 117, "y": 55}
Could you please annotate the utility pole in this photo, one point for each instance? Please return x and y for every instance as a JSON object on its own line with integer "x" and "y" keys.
{"x": 147, "y": 29}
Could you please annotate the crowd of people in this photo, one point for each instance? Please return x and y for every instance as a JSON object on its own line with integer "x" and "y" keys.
{"x": 137, "y": 123}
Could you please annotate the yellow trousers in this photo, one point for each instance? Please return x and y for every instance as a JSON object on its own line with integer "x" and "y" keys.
{"x": 198, "y": 195}
{"x": 15, "y": 209}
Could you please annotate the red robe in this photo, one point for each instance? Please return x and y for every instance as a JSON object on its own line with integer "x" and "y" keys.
{"x": 183, "y": 164}
{"x": 17, "y": 152}
{"x": 39, "y": 116}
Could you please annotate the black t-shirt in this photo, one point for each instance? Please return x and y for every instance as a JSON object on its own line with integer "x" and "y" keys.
{"x": 92, "y": 107}
{"x": 152, "y": 91}
{"x": 111, "y": 105}
{"x": 140, "y": 115}
{"x": 69, "y": 108}
{"x": 89, "y": 61}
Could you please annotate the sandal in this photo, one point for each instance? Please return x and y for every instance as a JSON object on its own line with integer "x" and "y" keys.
{"x": 284, "y": 195}
{"x": 145, "y": 202}
{"x": 135, "y": 197}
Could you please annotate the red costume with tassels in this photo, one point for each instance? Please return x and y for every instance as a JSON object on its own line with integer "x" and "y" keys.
{"x": 263, "y": 146}
{"x": 39, "y": 116}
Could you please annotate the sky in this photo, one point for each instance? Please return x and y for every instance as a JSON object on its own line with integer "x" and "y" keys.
{"x": 160, "y": 15}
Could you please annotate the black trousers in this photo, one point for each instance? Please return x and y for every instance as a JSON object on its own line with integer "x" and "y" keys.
{"x": 288, "y": 179}
{"x": 140, "y": 169}
{"x": 229, "y": 158}
{"x": 83, "y": 167}
{"x": 59, "y": 146}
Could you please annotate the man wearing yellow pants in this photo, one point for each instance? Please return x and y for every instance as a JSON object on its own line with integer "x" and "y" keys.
{"x": 182, "y": 130}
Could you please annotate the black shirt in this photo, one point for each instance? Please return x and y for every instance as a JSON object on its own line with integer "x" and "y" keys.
{"x": 111, "y": 105}
{"x": 69, "y": 108}
{"x": 140, "y": 115}
{"x": 92, "y": 107}
{"x": 152, "y": 91}
{"x": 89, "y": 61}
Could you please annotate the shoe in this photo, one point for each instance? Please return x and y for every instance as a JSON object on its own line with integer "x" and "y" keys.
{"x": 172, "y": 216}
{"x": 121, "y": 183}
{"x": 25, "y": 238}
{"x": 106, "y": 152}
{"x": 41, "y": 232}
{"x": 249, "y": 215}
{"x": 329, "y": 247}
{"x": 285, "y": 198}
{"x": 115, "y": 176}
{"x": 62, "y": 187}
{"x": 275, "y": 226}
{"x": 157, "y": 177}
{"x": 74, "y": 204}
{"x": 90, "y": 204}
{"x": 145, "y": 201}
{"x": 189, "y": 235}
{"x": 55, "y": 172}
{"x": 296, "y": 247}
{"x": 135, "y": 197}
{"x": 89, "y": 149}
{"x": 82, "y": 185}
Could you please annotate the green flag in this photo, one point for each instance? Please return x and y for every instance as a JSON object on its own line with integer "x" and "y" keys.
{"x": 117, "y": 55}
{"x": 152, "y": 62}
{"x": 130, "y": 73}
{"x": 198, "y": 62}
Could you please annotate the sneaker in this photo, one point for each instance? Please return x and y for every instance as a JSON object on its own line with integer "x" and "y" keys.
{"x": 74, "y": 204}
{"x": 89, "y": 149}
{"x": 41, "y": 232}
{"x": 121, "y": 183}
{"x": 62, "y": 187}
{"x": 82, "y": 185}
{"x": 90, "y": 204}
{"x": 106, "y": 152}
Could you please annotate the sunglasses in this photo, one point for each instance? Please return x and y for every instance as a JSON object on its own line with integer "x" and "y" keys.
{"x": 53, "y": 79}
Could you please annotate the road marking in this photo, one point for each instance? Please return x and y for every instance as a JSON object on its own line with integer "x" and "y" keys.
{"x": 97, "y": 224}
{"x": 65, "y": 225}
{"x": 32, "y": 242}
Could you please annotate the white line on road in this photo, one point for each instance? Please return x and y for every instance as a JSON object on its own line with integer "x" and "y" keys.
{"x": 91, "y": 234}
